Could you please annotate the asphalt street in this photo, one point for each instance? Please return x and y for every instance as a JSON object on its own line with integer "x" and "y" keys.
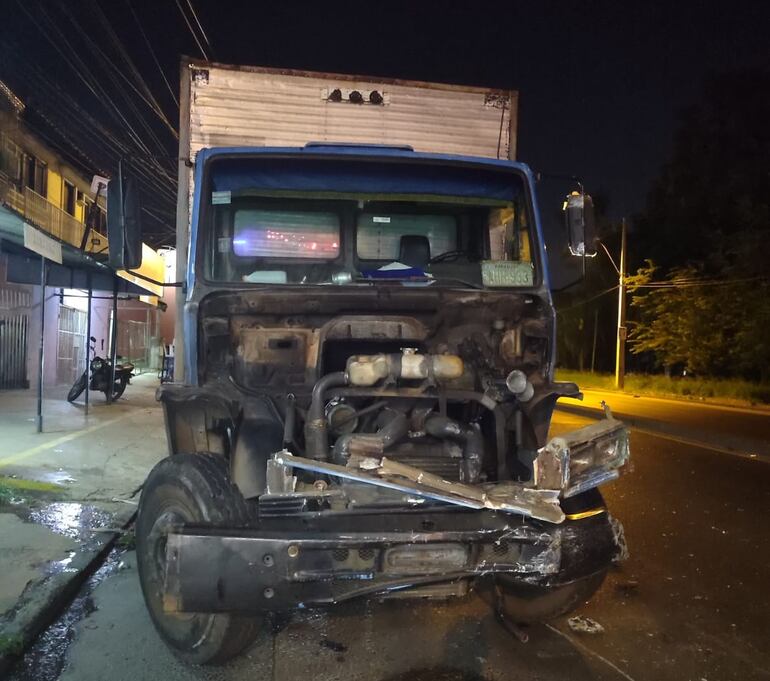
{"x": 690, "y": 603}
{"x": 740, "y": 430}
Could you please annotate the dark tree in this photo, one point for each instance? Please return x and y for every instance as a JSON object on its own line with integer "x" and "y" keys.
{"x": 706, "y": 229}
{"x": 712, "y": 199}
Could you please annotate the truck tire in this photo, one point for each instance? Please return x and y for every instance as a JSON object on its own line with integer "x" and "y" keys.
{"x": 525, "y": 603}
{"x": 189, "y": 488}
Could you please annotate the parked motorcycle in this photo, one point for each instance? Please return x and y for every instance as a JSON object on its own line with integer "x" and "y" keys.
{"x": 101, "y": 376}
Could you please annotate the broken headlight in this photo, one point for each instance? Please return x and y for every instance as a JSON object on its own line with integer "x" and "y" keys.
{"x": 582, "y": 459}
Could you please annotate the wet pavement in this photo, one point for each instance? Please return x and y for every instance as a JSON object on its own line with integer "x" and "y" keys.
{"x": 62, "y": 491}
{"x": 690, "y": 603}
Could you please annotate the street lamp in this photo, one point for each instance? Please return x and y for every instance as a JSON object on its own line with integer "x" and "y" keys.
{"x": 620, "y": 342}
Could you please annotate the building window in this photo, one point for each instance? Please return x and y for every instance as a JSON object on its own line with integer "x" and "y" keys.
{"x": 70, "y": 198}
{"x": 36, "y": 175}
{"x": 81, "y": 199}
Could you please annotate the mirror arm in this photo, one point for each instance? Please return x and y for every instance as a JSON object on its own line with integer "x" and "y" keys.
{"x": 174, "y": 284}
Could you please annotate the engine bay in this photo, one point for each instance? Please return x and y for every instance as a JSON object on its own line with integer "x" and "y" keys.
{"x": 443, "y": 397}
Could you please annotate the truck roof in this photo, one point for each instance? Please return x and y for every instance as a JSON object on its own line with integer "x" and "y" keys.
{"x": 371, "y": 151}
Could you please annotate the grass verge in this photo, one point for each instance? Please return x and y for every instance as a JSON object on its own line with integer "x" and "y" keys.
{"x": 715, "y": 389}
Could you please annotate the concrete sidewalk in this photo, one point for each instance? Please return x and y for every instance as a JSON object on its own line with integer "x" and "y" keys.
{"x": 62, "y": 490}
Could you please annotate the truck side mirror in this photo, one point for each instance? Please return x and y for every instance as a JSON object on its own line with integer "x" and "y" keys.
{"x": 579, "y": 221}
{"x": 124, "y": 224}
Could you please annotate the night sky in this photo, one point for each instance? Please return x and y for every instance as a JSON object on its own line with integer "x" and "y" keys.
{"x": 601, "y": 83}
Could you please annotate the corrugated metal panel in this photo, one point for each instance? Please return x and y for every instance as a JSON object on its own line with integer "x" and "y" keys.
{"x": 256, "y": 107}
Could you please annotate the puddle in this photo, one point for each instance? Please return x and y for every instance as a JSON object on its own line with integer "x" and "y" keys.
{"x": 58, "y": 478}
{"x": 45, "y": 660}
{"x": 71, "y": 519}
{"x": 16, "y": 491}
{"x": 56, "y": 567}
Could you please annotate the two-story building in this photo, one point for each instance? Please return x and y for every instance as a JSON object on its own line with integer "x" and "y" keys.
{"x": 41, "y": 190}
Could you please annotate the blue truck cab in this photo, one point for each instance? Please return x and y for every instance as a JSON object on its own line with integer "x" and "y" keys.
{"x": 369, "y": 351}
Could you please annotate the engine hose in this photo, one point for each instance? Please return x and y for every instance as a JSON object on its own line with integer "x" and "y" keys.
{"x": 372, "y": 444}
{"x": 316, "y": 436}
{"x": 288, "y": 424}
{"x": 473, "y": 451}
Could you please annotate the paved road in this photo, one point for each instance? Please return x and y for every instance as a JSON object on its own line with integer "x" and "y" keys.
{"x": 740, "y": 430}
{"x": 691, "y": 602}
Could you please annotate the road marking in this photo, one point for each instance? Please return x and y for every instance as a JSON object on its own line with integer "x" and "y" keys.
{"x": 26, "y": 453}
{"x": 580, "y": 411}
{"x": 701, "y": 445}
{"x": 756, "y": 411}
{"x": 586, "y": 649}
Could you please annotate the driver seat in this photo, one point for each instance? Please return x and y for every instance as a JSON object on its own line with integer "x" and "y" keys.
{"x": 414, "y": 250}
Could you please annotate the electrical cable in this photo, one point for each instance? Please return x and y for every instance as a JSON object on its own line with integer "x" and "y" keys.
{"x": 197, "y": 21}
{"x": 153, "y": 103}
{"x": 152, "y": 53}
{"x": 81, "y": 69}
{"x": 588, "y": 300}
{"x": 192, "y": 31}
{"x": 696, "y": 283}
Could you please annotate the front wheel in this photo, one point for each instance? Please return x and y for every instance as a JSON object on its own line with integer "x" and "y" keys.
{"x": 525, "y": 603}
{"x": 78, "y": 387}
{"x": 120, "y": 387}
{"x": 189, "y": 488}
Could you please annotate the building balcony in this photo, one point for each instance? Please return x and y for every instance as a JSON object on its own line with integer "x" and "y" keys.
{"x": 46, "y": 216}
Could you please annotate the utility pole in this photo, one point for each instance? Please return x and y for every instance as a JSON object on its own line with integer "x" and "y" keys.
{"x": 596, "y": 332}
{"x": 620, "y": 348}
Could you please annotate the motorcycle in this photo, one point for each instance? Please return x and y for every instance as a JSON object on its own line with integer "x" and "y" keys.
{"x": 101, "y": 376}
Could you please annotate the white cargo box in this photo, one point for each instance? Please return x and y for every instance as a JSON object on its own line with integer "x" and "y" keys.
{"x": 247, "y": 106}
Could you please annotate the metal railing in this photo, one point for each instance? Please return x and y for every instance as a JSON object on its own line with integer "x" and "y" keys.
{"x": 43, "y": 214}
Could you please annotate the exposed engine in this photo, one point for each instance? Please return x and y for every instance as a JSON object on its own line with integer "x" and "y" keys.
{"x": 408, "y": 406}
{"x": 329, "y": 408}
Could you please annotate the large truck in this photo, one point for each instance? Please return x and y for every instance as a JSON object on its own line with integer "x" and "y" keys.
{"x": 366, "y": 340}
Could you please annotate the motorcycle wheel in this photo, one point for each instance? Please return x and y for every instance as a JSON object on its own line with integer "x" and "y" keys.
{"x": 78, "y": 387}
{"x": 120, "y": 387}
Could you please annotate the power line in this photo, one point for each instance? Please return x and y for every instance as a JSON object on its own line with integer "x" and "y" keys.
{"x": 192, "y": 31}
{"x": 76, "y": 117}
{"x": 110, "y": 66}
{"x": 588, "y": 300}
{"x": 197, "y": 21}
{"x": 152, "y": 53}
{"x": 693, "y": 283}
{"x": 81, "y": 69}
{"x": 150, "y": 99}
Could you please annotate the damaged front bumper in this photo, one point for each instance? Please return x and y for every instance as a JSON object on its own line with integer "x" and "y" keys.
{"x": 359, "y": 537}
{"x": 567, "y": 466}
{"x": 251, "y": 571}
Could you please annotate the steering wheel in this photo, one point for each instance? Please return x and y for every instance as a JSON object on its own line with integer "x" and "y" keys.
{"x": 452, "y": 256}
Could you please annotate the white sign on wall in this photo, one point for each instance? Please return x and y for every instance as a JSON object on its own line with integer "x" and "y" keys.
{"x": 40, "y": 243}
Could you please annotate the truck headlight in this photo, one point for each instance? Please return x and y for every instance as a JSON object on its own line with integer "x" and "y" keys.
{"x": 584, "y": 458}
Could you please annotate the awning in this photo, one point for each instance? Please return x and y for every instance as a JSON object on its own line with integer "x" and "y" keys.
{"x": 76, "y": 269}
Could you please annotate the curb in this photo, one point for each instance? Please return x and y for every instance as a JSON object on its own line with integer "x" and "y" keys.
{"x": 44, "y": 599}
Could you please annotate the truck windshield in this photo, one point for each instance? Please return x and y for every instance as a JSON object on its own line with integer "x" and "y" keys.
{"x": 269, "y": 237}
